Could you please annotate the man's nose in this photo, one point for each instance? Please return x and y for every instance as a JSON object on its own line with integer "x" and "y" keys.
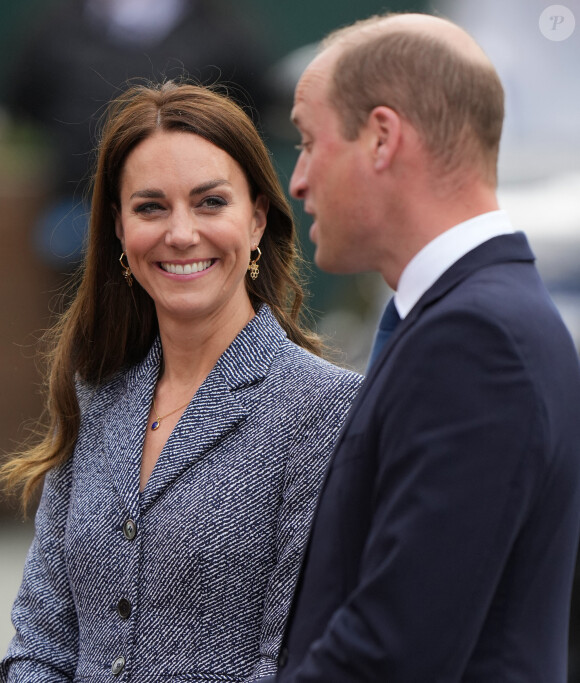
{"x": 298, "y": 179}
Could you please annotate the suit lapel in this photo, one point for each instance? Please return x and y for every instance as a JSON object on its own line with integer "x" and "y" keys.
{"x": 505, "y": 248}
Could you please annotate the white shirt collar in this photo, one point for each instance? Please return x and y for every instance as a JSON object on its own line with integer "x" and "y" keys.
{"x": 427, "y": 266}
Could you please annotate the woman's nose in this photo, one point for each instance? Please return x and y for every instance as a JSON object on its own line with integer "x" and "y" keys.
{"x": 183, "y": 230}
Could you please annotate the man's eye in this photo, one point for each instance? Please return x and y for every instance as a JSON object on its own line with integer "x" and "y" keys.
{"x": 303, "y": 146}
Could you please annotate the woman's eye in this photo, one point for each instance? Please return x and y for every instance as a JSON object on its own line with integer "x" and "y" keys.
{"x": 148, "y": 208}
{"x": 213, "y": 202}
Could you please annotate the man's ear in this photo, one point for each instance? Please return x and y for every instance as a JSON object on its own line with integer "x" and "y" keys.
{"x": 384, "y": 124}
{"x": 119, "y": 226}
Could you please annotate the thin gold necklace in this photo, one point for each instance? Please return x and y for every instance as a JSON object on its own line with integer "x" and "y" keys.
{"x": 156, "y": 423}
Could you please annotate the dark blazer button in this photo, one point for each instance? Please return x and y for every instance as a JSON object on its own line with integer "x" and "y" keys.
{"x": 124, "y": 608}
{"x": 130, "y": 529}
{"x": 283, "y": 657}
{"x": 118, "y": 666}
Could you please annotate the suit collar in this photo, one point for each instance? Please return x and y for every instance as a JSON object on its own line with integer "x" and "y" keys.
{"x": 502, "y": 249}
{"x": 436, "y": 257}
{"x": 510, "y": 248}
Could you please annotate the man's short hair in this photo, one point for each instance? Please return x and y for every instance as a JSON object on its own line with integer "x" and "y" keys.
{"x": 455, "y": 102}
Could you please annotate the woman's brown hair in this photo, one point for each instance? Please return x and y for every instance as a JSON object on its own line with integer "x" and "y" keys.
{"x": 110, "y": 326}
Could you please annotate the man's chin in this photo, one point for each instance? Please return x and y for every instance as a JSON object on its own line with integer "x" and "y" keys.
{"x": 335, "y": 262}
{"x": 327, "y": 262}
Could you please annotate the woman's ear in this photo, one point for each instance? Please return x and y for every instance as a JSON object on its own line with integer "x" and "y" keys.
{"x": 119, "y": 226}
{"x": 384, "y": 124}
{"x": 261, "y": 206}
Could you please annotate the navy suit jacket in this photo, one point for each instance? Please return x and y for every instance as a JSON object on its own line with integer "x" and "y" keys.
{"x": 445, "y": 538}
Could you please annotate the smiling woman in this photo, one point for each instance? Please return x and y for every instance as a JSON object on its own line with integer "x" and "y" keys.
{"x": 187, "y": 223}
{"x": 190, "y": 417}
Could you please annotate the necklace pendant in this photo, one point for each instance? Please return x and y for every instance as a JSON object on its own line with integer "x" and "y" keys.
{"x": 155, "y": 425}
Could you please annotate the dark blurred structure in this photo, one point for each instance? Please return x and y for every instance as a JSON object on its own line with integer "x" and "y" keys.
{"x": 77, "y": 54}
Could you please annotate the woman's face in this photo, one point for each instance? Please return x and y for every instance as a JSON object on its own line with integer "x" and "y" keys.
{"x": 187, "y": 224}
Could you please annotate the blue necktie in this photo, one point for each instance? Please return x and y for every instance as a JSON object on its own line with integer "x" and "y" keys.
{"x": 389, "y": 321}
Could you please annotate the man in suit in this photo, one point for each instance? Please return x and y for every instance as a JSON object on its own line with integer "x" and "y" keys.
{"x": 444, "y": 543}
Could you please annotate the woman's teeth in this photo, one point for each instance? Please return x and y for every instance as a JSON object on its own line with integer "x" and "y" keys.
{"x": 186, "y": 268}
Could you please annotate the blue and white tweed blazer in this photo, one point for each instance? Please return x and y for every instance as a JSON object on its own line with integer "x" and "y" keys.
{"x": 191, "y": 579}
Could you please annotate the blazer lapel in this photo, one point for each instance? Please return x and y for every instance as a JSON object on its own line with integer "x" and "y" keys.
{"x": 213, "y": 412}
{"x": 124, "y": 428}
{"x": 219, "y": 405}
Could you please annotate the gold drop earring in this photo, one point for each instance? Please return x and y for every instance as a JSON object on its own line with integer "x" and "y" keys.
{"x": 127, "y": 274}
{"x": 254, "y": 268}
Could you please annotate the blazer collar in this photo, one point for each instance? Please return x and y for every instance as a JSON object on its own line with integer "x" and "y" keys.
{"x": 248, "y": 358}
{"x": 216, "y": 408}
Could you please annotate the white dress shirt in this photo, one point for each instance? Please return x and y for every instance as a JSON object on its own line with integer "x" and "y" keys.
{"x": 427, "y": 266}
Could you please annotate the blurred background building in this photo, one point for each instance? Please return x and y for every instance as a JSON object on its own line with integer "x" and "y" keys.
{"x": 62, "y": 60}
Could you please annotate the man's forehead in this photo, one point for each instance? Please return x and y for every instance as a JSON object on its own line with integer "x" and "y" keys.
{"x": 313, "y": 85}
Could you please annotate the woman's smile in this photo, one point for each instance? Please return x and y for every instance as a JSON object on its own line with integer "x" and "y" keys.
{"x": 190, "y": 268}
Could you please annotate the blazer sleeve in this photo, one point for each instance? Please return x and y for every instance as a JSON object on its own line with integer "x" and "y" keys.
{"x": 322, "y": 416}
{"x": 44, "y": 647}
{"x": 455, "y": 439}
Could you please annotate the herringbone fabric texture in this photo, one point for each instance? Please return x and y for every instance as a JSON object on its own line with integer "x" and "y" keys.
{"x": 220, "y": 527}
